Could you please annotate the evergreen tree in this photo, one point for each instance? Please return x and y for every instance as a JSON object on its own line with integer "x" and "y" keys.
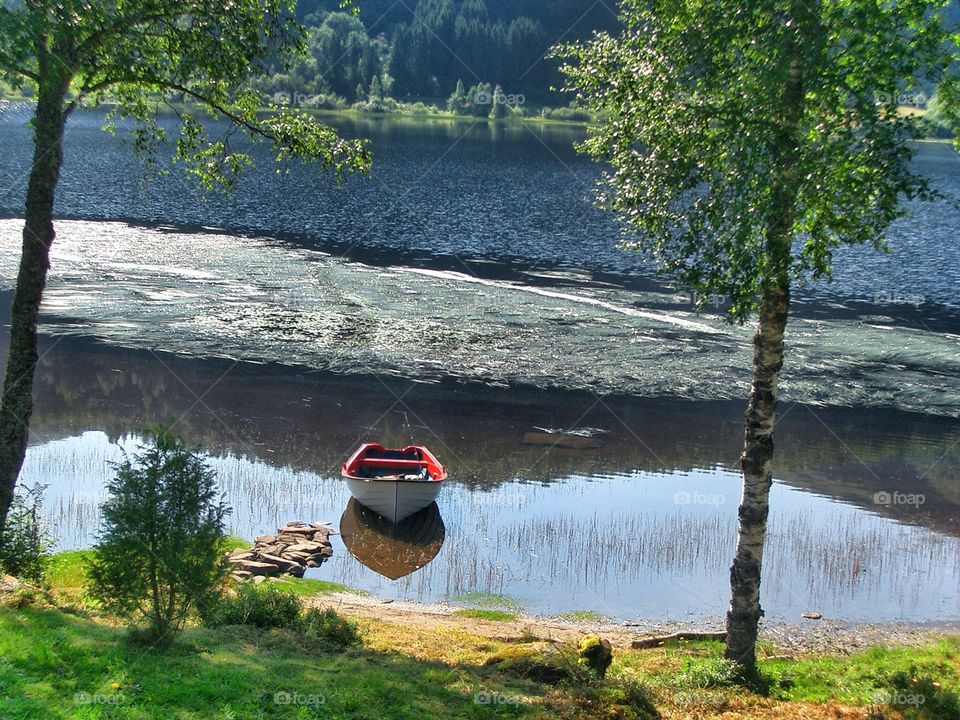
{"x": 376, "y": 92}
{"x": 457, "y": 103}
{"x": 498, "y": 105}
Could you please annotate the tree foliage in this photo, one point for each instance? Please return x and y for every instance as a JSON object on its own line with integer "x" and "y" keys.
{"x": 693, "y": 91}
{"x": 746, "y": 142}
{"x": 136, "y": 54}
{"x": 159, "y": 552}
{"x": 26, "y": 540}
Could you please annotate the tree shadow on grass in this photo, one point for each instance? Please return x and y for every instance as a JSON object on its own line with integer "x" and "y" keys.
{"x": 56, "y": 665}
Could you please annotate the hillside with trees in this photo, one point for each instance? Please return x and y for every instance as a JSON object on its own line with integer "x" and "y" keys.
{"x": 388, "y": 50}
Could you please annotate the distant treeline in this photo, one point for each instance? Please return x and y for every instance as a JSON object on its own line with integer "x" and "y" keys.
{"x": 388, "y": 51}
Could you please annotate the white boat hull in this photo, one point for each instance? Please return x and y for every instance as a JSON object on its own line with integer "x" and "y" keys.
{"x": 391, "y": 499}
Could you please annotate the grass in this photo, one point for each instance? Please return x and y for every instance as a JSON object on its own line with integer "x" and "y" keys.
{"x": 68, "y": 665}
{"x": 483, "y": 614}
{"x": 308, "y": 587}
{"x": 876, "y": 678}
{"x": 66, "y": 574}
{"x": 57, "y": 666}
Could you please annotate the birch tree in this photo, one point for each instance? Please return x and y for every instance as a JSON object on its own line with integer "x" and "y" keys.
{"x": 745, "y": 142}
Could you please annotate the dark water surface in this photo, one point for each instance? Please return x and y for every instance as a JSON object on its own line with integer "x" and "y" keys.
{"x": 469, "y": 293}
{"x": 452, "y": 192}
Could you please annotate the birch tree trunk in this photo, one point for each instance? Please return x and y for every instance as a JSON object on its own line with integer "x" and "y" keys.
{"x": 756, "y": 460}
{"x": 16, "y": 406}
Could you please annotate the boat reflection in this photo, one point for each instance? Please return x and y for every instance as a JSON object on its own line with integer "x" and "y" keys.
{"x": 392, "y": 550}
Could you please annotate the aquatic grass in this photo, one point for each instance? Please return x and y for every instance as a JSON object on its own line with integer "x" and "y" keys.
{"x": 487, "y": 600}
{"x": 584, "y": 616}
{"x": 486, "y": 614}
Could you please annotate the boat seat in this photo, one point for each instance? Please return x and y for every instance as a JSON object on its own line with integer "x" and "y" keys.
{"x": 397, "y": 464}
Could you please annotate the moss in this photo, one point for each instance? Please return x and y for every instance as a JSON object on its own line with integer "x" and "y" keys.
{"x": 542, "y": 662}
{"x": 596, "y": 653}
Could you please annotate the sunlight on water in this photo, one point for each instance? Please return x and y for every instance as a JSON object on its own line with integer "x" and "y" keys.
{"x": 207, "y": 294}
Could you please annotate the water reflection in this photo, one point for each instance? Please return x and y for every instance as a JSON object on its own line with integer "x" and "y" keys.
{"x": 641, "y": 527}
{"x": 392, "y": 550}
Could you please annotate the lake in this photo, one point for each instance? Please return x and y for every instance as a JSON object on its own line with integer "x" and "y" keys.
{"x": 469, "y": 293}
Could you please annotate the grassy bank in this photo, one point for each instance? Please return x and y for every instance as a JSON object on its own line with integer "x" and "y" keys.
{"x": 61, "y": 659}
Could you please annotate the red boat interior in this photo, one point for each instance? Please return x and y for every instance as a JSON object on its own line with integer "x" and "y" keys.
{"x": 374, "y": 461}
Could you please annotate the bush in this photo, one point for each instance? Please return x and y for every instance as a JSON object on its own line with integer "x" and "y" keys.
{"x": 264, "y": 606}
{"x": 26, "y": 542}
{"x": 159, "y": 552}
{"x": 708, "y": 673}
{"x": 329, "y": 626}
{"x": 260, "y": 606}
{"x": 566, "y": 113}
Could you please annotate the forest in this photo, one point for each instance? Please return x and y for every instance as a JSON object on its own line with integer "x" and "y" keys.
{"x": 420, "y": 52}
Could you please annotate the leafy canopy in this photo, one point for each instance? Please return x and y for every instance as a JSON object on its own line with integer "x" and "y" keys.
{"x": 135, "y": 53}
{"x": 693, "y": 96}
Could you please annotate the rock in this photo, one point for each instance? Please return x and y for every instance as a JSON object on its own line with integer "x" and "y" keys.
{"x": 257, "y": 579}
{"x": 596, "y": 653}
{"x": 241, "y": 574}
{"x": 308, "y": 547}
{"x": 8, "y": 583}
{"x": 291, "y": 539}
{"x": 281, "y": 562}
{"x": 258, "y": 568}
{"x": 291, "y": 530}
{"x": 239, "y": 555}
{"x": 314, "y": 563}
{"x": 326, "y": 552}
{"x": 274, "y": 549}
{"x": 265, "y": 539}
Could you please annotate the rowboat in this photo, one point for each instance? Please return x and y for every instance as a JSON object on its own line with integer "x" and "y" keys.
{"x": 394, "y": 483}
{"x": 393, "y": 550}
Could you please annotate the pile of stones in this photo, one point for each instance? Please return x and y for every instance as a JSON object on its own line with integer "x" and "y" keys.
{"x": 295, "y": 547}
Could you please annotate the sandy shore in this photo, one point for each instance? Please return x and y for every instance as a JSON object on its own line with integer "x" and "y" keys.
{"x": 804, "y": 636}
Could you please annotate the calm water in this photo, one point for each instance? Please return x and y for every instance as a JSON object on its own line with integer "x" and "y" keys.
{"x": 464, "y": 295}
{"x": 640, "y": 528}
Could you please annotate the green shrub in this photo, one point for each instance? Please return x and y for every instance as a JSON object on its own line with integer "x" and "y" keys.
{"x": 260, "y": 606}
{"x": 266, "y": 606}
{"x": 159, "y": 553}
{"x": 26, "y": 542}
{"x": 919, "y": 697}
{"x": 329, "y": 626}
{"x": 708, "y": 673}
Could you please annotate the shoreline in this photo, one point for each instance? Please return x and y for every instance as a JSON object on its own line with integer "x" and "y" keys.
{"x": 801, "y": 637}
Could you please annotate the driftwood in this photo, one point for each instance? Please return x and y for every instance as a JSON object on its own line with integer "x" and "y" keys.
{"x": 658, "y": 640}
